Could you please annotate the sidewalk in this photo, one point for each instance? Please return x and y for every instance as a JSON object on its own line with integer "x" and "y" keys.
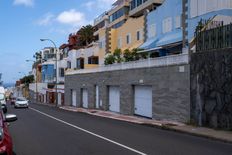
{"x": 225, "y": 136}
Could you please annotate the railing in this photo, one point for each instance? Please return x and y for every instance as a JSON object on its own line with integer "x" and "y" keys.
{"x": 146, "y": 63}
{"x": 100, "y": 18}
{"x": 215, "y": 38}
{"x": 49, "y": 79}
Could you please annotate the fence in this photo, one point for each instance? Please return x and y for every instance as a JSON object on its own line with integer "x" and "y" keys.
{"x": 219, "y": 37}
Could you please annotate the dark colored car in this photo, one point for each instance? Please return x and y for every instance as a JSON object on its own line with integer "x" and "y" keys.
{"x": 6, "y": 146}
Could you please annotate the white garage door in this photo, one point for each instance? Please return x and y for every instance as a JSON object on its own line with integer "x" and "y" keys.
{"x": 114, "y": 99}
{"x": 143, "y": 101}
{"x": 74, "y": 98}
{"x": 97, "y": 97}
{"x": 85, "y": 98}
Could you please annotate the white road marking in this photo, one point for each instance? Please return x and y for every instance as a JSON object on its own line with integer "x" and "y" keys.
{"x": 91, "y": 133}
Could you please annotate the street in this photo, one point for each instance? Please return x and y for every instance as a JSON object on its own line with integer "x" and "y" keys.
{"x": 44, "y": 130}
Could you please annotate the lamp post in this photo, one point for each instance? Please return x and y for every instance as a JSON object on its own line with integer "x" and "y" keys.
{"x": 56, "y": 66}
{"x": 36, "y": 80}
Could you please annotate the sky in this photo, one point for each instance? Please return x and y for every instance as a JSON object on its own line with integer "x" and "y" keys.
{"x": 25, "y": 22}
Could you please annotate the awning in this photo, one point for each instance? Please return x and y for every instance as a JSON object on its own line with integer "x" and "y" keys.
{"x": 150, "y": 50}
{"x": 151, "y": 43}
{"x": 170, "y": 39}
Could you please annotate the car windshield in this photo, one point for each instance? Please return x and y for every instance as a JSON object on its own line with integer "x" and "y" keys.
{"x": 1, "y": 96}
{"x": 21, "y": 99}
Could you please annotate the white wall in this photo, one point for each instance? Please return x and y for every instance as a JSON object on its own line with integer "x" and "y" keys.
{"x": 200, "y": 7}
{"x": 41, "y": 87}
{"x": 84, "y": 53}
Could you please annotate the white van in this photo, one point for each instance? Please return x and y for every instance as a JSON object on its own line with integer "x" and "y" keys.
{"x": 2, "y": 98}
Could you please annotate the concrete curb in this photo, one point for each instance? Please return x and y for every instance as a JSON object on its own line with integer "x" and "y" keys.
{"x": 115, "y": 118}
{"x": 197, "y": 134}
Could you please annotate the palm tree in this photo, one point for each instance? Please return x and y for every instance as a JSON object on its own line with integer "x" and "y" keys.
{"x": 86, "y": 34}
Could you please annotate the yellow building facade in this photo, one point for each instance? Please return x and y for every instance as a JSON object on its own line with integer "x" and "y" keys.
{"x": 130, "y": 35}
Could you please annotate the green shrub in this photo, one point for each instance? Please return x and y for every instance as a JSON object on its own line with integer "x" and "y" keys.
{"x": 128, "y": 55}
{"x": 109, "y": 59}
{"x": 117, "y": 54}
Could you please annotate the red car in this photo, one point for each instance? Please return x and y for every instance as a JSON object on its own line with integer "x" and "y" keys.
{"x": 6, "y": 146}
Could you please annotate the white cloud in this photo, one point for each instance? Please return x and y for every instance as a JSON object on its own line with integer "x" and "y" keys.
{"x": 72, "y": 17}
{"x": 99, "y": 4}
{"x": 89, "y": 5}
{"x": 24, "y": 2}
{"x": 47, "y": 19}
{"x": 65, "y": 22}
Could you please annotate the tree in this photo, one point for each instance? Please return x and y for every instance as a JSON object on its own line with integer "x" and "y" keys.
{"x": 27, "y": 80}
{"x": 38, "y": 56}
{"x": 86, "y": 34}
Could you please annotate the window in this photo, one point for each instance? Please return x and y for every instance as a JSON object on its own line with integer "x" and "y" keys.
{"x": 178, "y": 22}
{"x": 167, "y": 25}
{"x": 80, "y": 63}
{"x": 117, "y": 14}
{"x": 117, "y": 25}
{"x": 138, "y": 34}
{"x": 61, "y": 72}
{"x": 119, "y": 42}
{"x": 101, "y": 43}
{"x": 136, "y": 3}
{"x": 139, "y": 2}
{"x": 93, "y": 60}
{"x": 132, "y": 4}
{"x": 54, "y": 73}
{"x": 151, "y": 31}
{"x": 128, "y": 38}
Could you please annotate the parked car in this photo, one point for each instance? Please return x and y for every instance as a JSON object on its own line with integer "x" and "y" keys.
{"x": 21, "y": 102}
{"x": 6, "y": 145}
{"x": 3, "y": 99}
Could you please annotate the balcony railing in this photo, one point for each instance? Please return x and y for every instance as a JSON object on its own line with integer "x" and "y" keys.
{"x": 100, "y": 18}
{"x": 146, "y": 63}
{"x": 49, "y": 79}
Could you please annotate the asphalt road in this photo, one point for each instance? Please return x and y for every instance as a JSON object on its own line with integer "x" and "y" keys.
{"x": 43, "y": 130}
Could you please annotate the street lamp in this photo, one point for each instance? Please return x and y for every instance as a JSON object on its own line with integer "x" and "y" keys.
{"x": 56, "y": 66}
{"x": 36, "y": 80}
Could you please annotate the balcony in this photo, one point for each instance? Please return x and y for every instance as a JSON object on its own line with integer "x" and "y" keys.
{"x": 146, "y": 63}
{"x": 149, "y": 4}
{"x": 49, "y": 79}
{"x": 101, "y": 18}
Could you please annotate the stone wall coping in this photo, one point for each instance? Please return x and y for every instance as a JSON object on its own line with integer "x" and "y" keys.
{"x": 145, "y": 63}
